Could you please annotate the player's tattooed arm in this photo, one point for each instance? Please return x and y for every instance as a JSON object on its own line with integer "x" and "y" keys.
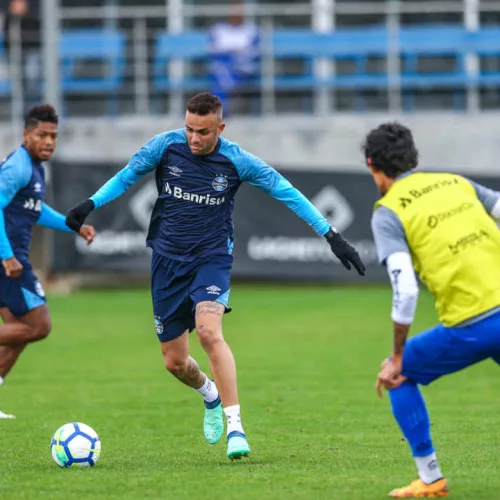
{"x": 400, "y": 336}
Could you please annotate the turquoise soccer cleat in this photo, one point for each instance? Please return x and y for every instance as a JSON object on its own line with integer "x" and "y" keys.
{"x": 237, "y": 446}
{"x": 213, "y": 423}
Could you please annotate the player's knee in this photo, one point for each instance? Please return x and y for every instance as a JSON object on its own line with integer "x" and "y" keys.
{"x": 175, "y": 365}
{"x": 210, "y": 337}
{"x": 41, "y": 330}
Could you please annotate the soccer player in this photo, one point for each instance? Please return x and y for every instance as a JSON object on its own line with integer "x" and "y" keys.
{"x": 443, "y": 226}
{"x": 23, "y": 305}
{"x": 191, "y": 233}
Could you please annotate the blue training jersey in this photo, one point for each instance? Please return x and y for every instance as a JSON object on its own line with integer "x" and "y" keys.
{"x": 22, "y": 191}
{"x": 22, "y": 194}
{"x": 192, "y": 216}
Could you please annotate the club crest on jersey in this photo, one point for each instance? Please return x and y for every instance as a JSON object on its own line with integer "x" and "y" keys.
{"x": 220, "y": 183}
{"x": 158, "y": 325}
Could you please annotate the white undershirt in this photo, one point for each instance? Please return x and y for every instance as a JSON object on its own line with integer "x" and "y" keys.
{"x": 404, "y": 287}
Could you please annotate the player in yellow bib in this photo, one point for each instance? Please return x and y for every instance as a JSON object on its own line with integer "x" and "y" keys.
{"x": 443, "y": 227}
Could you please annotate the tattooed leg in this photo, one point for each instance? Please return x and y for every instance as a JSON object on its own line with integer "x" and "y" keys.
{"x": 180, "y": 364}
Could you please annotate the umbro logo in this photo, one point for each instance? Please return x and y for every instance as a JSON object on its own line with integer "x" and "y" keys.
{"x": 213, "y": 290}
{"x": 175, "y": 170}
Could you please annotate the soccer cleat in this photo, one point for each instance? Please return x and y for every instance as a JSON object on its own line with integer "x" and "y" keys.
{"x": 237, "y": 446}
{"x": 6, "y": 415}
{"x": 213, "y": 423}
{"x": 418, "y": 489}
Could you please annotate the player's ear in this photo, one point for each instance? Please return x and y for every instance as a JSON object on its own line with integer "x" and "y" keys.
{"x": 222, "y": 126}
{"x": 25, "y": 135}
{"x": 370, "y": 165}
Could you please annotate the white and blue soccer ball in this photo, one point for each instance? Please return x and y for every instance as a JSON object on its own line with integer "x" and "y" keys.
{"x": 75, "y": 445}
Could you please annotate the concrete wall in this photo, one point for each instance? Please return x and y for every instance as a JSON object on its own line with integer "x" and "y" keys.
{"x": 465, "y": 144}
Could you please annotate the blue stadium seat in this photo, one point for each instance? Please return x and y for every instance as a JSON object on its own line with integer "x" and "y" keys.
{"x": 96, "y": 45}
{"x": 486, "y": 44}
{"x": 5, "y": 86}
{"x": 188, "y": 46}
{"x": 79, "y": 47}
{"x": 358, "y": 46}
{"x": 433, "y": 42}
{"x": 341, "y": 45}
{"x": 300, "y": 45}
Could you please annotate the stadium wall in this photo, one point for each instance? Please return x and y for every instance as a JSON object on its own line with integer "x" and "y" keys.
{"x": 454, "y": 142}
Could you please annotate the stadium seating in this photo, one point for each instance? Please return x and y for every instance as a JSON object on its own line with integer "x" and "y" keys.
{"x": 101, "y": 50}
{"x": 431, "y": 57}
{"x": 189, "y": 46}
{"x": 104, "y": 47}
{"x": 486, "y": 43}
{"x": 4, "y": 80}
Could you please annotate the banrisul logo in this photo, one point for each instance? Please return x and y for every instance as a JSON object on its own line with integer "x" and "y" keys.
{"x": 202, "y": 199}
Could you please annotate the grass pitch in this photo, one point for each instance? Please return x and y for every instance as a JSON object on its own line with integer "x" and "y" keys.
{"x": 307, "y": 359}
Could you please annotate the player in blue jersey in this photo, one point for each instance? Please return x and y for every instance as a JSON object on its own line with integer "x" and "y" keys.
{"x": 191, "y": 235}
{"x": 22, "y": 191}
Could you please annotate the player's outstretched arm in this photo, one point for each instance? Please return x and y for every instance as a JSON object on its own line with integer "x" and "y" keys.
{"x": 143, "y": 162}
{"x": 259, "y": 174}
{"x": 52, "y": 219}
{"x": 55, "y": 220}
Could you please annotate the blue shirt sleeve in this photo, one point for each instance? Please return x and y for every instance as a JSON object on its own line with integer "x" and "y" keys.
{"x": 52, "y": 219}
{"x": 258, "y": 173}
{"x": 144, "y": 161}
{"x": 15, "y": 174}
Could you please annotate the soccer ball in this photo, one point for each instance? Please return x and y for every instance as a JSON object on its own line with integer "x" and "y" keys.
{"x": 75, "y": 445}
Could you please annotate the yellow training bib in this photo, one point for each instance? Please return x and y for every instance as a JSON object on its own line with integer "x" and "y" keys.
{"x": 455, "y": 244}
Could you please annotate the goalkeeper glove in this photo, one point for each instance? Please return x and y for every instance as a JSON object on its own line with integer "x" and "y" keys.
{"x": 346, "y": 253}
{"x": 76, "y": 216}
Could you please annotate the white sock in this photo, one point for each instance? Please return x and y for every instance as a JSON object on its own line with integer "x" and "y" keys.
{"x": 233, "y": 419}
{"x": 428, "y": 468}
{"x": 208, "y": 390}
{"x": 1, "y": 380}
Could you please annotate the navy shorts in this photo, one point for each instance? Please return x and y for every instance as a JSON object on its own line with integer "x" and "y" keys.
{"x": 176, "y": 288}
{"x": 21, "y": 295}
{"x": 442, "y": 350}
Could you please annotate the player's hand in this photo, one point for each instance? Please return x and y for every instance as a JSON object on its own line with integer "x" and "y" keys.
{"x": 76, "y": 216}
{"x": 87, "y": 233}
{"x": 13, "y": 268}
{"x": 390, "y": 375}
{"x": 346, "y": 253}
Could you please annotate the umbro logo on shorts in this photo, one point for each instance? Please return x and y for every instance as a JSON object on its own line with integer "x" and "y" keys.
{"x": 213, "y": 290}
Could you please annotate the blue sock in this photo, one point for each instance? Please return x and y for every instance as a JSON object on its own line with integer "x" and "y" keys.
{"x": 410, "y": 412}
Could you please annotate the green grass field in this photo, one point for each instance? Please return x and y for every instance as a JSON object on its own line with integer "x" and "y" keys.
{"x": 307, "y": 360}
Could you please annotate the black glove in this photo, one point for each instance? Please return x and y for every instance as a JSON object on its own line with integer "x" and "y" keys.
{"x": 76, "y": 216}
{"x": 346, "y": 253}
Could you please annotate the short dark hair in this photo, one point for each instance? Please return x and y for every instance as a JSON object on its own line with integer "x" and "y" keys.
{"x": 204, "y": 104}
{"x": 391, "y": 149}
{"x": 43, "y": 113}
